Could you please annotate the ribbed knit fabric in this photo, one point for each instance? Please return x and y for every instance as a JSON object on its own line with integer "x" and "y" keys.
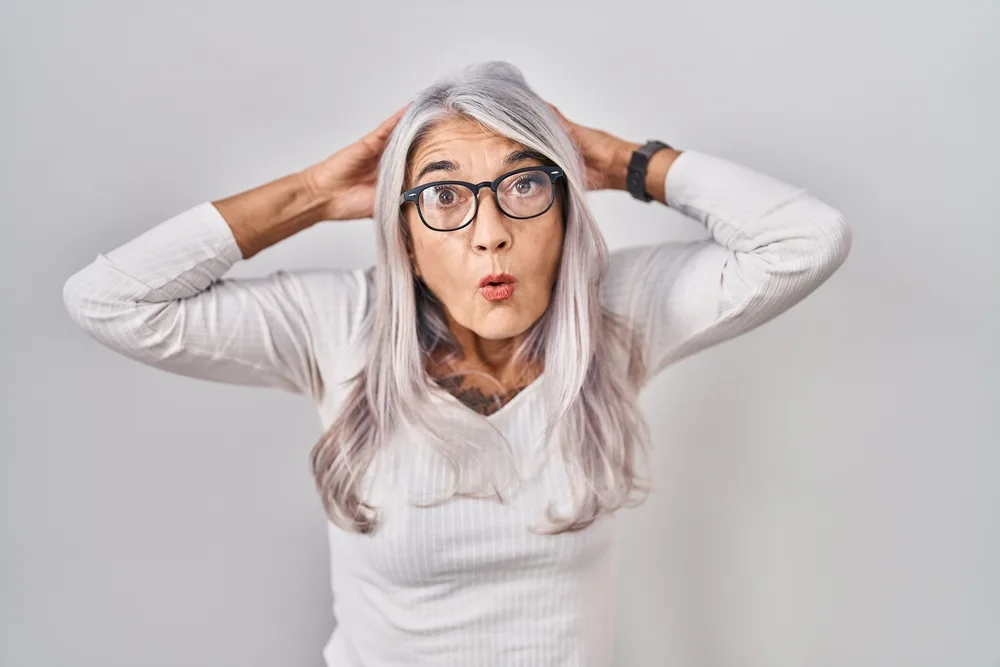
{"x": 465, "y": 582}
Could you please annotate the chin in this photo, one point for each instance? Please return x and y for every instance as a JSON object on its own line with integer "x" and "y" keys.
{"x": 500, "y": 328}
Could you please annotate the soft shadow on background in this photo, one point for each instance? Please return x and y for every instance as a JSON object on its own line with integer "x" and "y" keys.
{"x": 847, "y": 510}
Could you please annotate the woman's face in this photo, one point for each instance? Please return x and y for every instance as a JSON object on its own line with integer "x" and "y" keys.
{"x": 453, "y": 263}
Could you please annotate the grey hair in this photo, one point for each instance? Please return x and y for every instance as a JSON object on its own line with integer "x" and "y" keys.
{"x": 592, "y": 363}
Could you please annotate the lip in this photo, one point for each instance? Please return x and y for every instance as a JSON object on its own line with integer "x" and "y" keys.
{"x": 497, "y": 286}
{"x": 497, "y": 278}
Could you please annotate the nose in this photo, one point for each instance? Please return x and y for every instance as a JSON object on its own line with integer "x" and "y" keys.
{"x": 490, "y": 232}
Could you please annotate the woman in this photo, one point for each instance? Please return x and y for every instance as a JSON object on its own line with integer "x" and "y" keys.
{"x": 478, "y": 384}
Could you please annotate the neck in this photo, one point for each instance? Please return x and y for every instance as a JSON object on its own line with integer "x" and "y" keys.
{"x": 494, "y": 358}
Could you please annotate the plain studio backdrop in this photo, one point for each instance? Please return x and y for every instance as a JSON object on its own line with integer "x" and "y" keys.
{"x": 844, "y": 512}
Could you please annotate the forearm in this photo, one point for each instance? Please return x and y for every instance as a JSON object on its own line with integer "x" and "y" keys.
{"x": 271, "y": 212}
{"x": 738, "y": 205}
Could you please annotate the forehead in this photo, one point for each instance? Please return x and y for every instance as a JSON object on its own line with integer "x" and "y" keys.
{"x": 463, "y": 141}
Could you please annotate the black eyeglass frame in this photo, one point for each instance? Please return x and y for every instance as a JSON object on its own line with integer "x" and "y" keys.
{"x": 413, "y": 194}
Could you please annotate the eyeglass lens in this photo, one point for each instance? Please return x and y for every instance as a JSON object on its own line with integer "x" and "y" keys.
{"x": 521, "y": 195}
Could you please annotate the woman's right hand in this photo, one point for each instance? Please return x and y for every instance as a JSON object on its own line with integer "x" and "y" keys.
{"x": 346, "y": 179}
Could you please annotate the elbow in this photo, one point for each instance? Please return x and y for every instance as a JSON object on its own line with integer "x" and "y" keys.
{"x": 96, "y": 304}
{"x": 833, "y": 242}
{"x": 102, "y": 303}
{"x": 809, "y": 240}
{"x": 103, "y": 306}
{"x": 821, "y": 252}
{"x": 813, "y": 246}
{"x": 75, "y": 296}
{"x": 90, "y": 306}
{"x": 808, "y": 258}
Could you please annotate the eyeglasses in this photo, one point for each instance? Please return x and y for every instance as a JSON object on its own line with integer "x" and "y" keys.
{"x": 446, "y": 206}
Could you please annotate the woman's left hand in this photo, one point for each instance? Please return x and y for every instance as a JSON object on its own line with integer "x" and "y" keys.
{"x": 605, "y": 156}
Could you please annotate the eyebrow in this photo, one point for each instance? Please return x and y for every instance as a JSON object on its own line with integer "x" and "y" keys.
{"x": 510, "y": 159}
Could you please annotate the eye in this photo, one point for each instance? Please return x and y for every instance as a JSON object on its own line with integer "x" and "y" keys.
{"x": 441, "y": 196}
{"x": 526, "y": 185}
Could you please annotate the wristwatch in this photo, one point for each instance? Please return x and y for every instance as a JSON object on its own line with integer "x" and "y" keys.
{"x": 636, "y": 180}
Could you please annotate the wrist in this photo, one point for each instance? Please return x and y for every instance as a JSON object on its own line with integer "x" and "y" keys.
{"x": 619, "y": 165}
{"x": 656, "y": 169}
{"x": 264, "y": 215}
{"x": 316, "y": 193}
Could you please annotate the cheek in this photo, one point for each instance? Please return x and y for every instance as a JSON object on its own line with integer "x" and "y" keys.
{"x": 546, "y": 245}
{"x": 421, "y": 245}
{"x": 436, "y": 258}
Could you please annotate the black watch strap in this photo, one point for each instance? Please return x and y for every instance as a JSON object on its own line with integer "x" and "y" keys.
{"x": 636, "y": 180}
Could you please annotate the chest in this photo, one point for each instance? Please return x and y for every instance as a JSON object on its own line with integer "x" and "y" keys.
{"x": 424, "y": 542}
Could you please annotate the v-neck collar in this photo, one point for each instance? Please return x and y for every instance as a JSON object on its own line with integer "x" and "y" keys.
{"x": 446, "y": 395}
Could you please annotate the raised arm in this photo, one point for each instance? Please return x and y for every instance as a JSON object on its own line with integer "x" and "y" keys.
{"x": 161, "y": 298}
{"x": 771, "y": 244}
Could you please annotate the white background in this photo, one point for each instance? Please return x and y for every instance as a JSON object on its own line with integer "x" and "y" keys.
{"x": 827, "y": 485}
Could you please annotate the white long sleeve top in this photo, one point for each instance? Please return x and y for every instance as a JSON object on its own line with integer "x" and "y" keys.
{"x": 465, "y": 582}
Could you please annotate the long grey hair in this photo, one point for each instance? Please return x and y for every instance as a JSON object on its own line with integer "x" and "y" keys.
{"x": 593, "y": 366}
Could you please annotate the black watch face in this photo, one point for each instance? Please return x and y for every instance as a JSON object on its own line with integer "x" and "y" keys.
{"x": 636, "y": 181}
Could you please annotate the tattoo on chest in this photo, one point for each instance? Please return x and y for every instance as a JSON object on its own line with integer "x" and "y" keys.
{"x": 474, "y": 398}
